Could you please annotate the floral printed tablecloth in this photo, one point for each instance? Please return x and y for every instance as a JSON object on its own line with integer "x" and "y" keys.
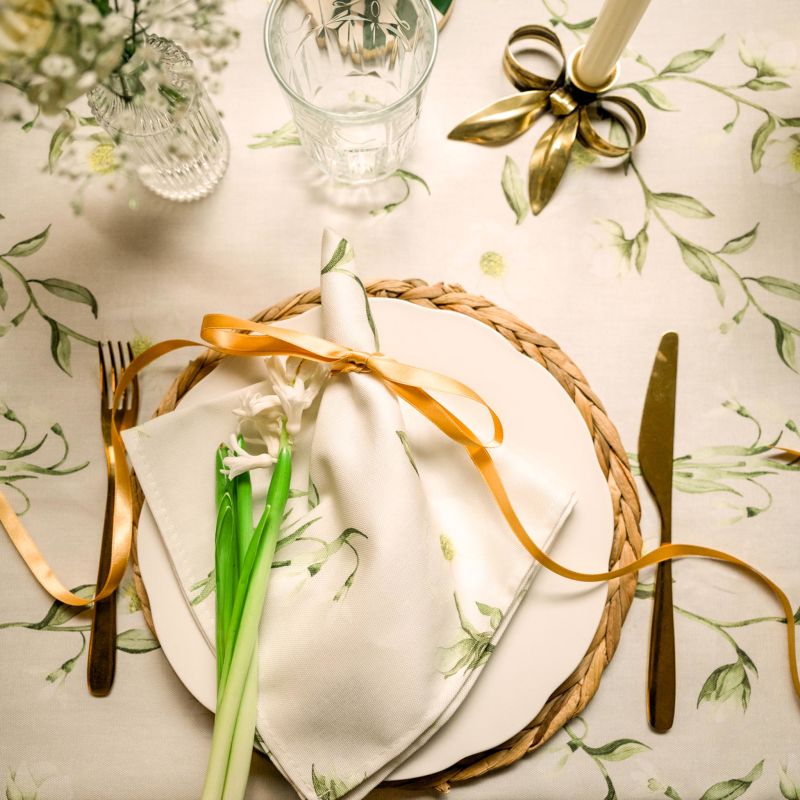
{"x": 697, "y": 232}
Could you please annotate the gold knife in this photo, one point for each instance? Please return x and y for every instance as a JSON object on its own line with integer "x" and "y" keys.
{"x": 656, "y": 438}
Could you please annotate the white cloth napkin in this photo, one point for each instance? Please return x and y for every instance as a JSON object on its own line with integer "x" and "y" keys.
{"x": 397, "y": 575}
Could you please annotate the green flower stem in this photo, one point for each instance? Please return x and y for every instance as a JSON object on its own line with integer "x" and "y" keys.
{"x": 236, "y": 677}
{"x": 598, "y": 761}
{"x": 723, "y": 90}
{"x": 238, "y": 770}
{"x": 740, "y": 280}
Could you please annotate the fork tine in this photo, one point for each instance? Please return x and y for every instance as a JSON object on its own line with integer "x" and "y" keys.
{"x": 134, "y": 386}
{"x": 122, "y": 365}
{"x": 113, "y": 369}
{"x": 103, "y": 373}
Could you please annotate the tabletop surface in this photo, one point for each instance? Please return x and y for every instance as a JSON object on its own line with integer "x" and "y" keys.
{"x": 715, "y": 185}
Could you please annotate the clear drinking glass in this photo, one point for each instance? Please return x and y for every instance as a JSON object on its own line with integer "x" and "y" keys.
{"x": 180, "y": 151}
{"x": 354, "y": 73}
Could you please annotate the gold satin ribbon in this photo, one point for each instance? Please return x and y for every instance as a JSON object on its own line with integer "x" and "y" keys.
{"x": 233, "y": 336}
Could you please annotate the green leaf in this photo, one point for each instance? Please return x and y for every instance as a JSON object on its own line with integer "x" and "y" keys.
{"x": 793, "y": 122}
{"x": 692, "y": 59}
{"x": 514, "y": 189}
{"x": 784, "y": 342}
{"x": 60, "y": 346}
{"x": 618, "y": 750}
{"x": 654, "y": 96}
{"x": 759, "y": 143}
{"x": 403, "y": 437}
{"x": 681, "y": 204}
{"x": 411, "y": 176}
{"x": 28, "y": 247}
{"x": 725, "y": 682}
{"x": 640, "y": 243}
{"x": 790, "y": 789}
{"x": 583, "y": 25}
{"x": 495, "y": 614}
{"x": 285, "y": 136}
{"x": 137, "y": 640}
{"x": 730, "y": 790}
{"x": 645, "y": 590}
{"x": 741, "y": 243}
{"x": 698, "y": 260}
{"x": 701, "y": 486}
{"x": 67, "y": 290}
{"x": 338, "y": 255}
{"x": 60, "y": 137}
{"x": 746, "y": 660}
{"x": 313, "y": 494}
{"x": 761, "y": 85}
{"x": 3, "y": 294}
{"x": 319, "y": 783}
{"x": 779, "y": 286}
{"x": 59, "y": 612}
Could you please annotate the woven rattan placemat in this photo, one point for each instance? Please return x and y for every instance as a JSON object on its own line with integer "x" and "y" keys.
{"x": 576, "y": 691}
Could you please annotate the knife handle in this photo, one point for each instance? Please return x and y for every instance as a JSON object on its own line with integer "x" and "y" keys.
{"x": 661, "y": 666}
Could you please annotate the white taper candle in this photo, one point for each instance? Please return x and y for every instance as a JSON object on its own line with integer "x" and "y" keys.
{"x": 612, "y": 31}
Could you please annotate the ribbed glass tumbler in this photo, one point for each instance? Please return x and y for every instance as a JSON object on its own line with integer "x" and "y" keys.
{"x": 354, "y": 73}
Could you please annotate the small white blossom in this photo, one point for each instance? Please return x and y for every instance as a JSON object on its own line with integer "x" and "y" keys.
{"x": 87, "y": 51}
{"x": 259, "y": 421}
{"x": 89, "y": 16}
{"x": 243, "y": 461}
{"x": 115, "y": 25}
{"x": 296, "y": 382}
{"x": 781, "y": 162}
{"x": 56, "y": 66}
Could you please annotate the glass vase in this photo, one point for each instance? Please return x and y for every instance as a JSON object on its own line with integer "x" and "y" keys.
{"x": 171, "y": 135}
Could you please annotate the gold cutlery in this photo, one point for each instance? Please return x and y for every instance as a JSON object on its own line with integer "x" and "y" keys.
{"x": 103, "y": 637}
{"x": 656, "y": 441}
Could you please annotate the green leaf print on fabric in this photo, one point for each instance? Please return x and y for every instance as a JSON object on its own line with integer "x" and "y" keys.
{"x": 39, "y": 781}
{"x": 61, "y": 618}
{"x": 715, "y": 266}
{"x": 343, "y": 254}
{"x": 61, "y": 336}
{"x": 311, "y": 562}
{"x": 18, "y": 459}
{"x": 788, "y": 783}
{"x": 514, "y": 189}
{"x": 403, "y": 437}
{"x": 614, "y": 751}
{"x": 472, "y": 651}
{"x": 735, "y": 787}
{"x": 285, "y": 136}
{"x": 731, "y": 469}
{"x": 330, "y": 787}
{"x": 408, "y": 179}
{"x": 728, "y": 681}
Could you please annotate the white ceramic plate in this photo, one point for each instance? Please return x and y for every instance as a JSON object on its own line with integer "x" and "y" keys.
{"x": 557, "y": 619}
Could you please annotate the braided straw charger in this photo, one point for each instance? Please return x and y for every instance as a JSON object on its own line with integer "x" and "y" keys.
{"x": 574, "y": 693}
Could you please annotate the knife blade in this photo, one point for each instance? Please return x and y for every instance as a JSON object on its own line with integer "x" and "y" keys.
{"x": 656, "y": 452}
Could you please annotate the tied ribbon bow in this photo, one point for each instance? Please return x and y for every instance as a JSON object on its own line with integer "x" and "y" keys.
{"x": 572, "y": 105}
{"x": 239, "y": 337}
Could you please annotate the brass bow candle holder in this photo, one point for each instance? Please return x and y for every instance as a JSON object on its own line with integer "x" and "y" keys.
{"x": 573, "y": 104}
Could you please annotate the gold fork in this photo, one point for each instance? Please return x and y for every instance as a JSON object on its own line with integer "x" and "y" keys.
{"x": 103, "y": 637}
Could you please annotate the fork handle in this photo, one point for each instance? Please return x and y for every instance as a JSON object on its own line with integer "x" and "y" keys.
{"x": 102, "y": 658}
{"x": 661, "y": 666}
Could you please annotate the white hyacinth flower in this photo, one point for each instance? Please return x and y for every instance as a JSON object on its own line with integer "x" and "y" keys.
{"x": 296, "y": 382}
{"x": 243, "y": 461}
{"x": 259, "y": 421}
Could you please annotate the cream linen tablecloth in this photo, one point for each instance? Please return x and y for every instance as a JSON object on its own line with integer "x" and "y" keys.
{"x": 570, "y": 272}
